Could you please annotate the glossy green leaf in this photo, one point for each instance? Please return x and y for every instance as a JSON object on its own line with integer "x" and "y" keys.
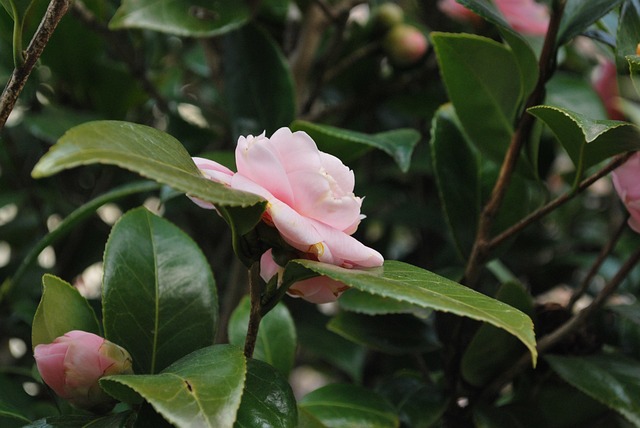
{"x": 267, "y": 400}
{"x": 628, "y": 34}
{"x": 476, "y": 85}
{"x": 307, "y": 420}
{"x": 481, "y": 363}
{"x": 419, "y": 404}
{"x": 404, "y": 282}
{"x": 588, "y": 141}
{"x": 579, "y": 15}
{"x": 346, "y": 405}
{"x": 276, "y": 342}
{"x": 203, "y": 389}
{"x": 192, "y": 18}
{"x": 613, "y": 380}
{"x": 159, "y": 296}
{"x": 456, "y": 168}
{"x": 258, "y": 82}
{"x": 141, "y": 149}
{"x": 50, "y": 321}
{"x": 357, "y": 301}
{"x": 394, "y": 334}
{"x": 349, "y": 145}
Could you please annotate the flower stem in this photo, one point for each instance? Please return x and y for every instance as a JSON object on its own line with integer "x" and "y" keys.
{"x": 256, "y": 287}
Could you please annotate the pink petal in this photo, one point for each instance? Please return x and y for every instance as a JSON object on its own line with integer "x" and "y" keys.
{"x": 456, "y": 11}
{"x": 50, "y": 361}
{"x": 317, "y": 290}
{"x": 268, "y": 267}
{"x": 345, "y": 250}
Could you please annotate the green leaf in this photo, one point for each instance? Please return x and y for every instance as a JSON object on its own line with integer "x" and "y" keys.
{"x": 634, "y": 69}
{"x": 258, "y": 82}
{"x": 203, "y": 389}
{"x": 588, "y": 141}
{"x": 394, "y": 334}
{"x": 141, "y": 149}
{"x": 349, "y": 145}
{"x": 347, "y": 405}
{"x": 481, "y": 363}
{"x": 477, "y": 85}
{"x": 159, "y": 295}
{"x": 11, "y": 417}
{"x": 267, "y": 400}
{"x": 191, "y": 18}
{"x": 612, "y": 379}
{"x": 82, "y": 421}
{"x": 457, "y": 172}
{"x": 307, "y": 420}
{"x": 572, "y": 92}
{"x": 406, "y": 283}
{"x": 628, "y": 31}
{"x": 579, "y": 15}
{"x": 276, "y": 342}
{"x": 360, "y": 302}
{"x": 50, "y": 321}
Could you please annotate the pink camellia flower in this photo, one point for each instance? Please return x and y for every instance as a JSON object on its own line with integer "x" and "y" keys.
{"x": 525, "y": 16}
{"x": 605, "y": 83}
{"x": 626, "y": 180}
{"x": 310, "y": 201}
{"x": 72, "y": 365}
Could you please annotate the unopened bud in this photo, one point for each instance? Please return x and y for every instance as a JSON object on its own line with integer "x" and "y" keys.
{"x": 405, "y": 44}
{"x": 387, "y": 15}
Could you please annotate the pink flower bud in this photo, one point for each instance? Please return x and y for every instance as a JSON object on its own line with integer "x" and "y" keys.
{"x": 388, "y": 14}
{"x": 405, "y": 44}
{"x": 626, "y": 180}
{"x": 73, "y": 364}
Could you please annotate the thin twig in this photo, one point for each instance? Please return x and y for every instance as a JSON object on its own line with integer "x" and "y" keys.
{"x": 520, "y": 137}
{"x": 256, "y": 285}
{"x": 546, "y": 209}
{"x": 575, "y": 322}
{"x": 55, "y": 11}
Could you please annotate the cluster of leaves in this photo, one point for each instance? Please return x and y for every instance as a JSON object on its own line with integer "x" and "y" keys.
{"x": 404, "y": 346}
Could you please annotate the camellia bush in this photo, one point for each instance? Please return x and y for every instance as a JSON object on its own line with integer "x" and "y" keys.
{"x": 319, "y": 213}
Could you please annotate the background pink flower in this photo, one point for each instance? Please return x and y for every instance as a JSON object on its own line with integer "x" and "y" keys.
{"x": 72, "y": 365}
{"x": 309, "y": 193}
{"x": 626, "y": 180}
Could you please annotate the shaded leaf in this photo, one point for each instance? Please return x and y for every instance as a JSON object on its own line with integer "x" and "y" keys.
{"x": 159, "y": 295}
{"x": 628, "y": 34}
{"x": 634, "y": 69}
{"x": 613, "y": 380}
{"x": 82, "y": 421}
{"x": 349, "y": 145}
{"x": 258, "y": 82}
{"x": 393, "y": 334}
{"x": 354, "y": 300}
{"x": 50, "y": 321}
{"x": 588, "y": 141}
{"x": 406, "y": 283}
{"x": 11, "y": 417}
{"x": 579, "y": 15}
{"x": 276, "y": 342}
{"x": 203, "y": 389}
{"x": 267, "y": 400}
{"x": 194, "y": 18}
{"x": 343, "y": 405}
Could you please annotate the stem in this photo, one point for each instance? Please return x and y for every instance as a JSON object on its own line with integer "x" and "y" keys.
{"x": 576, "y": 321}
{"x": 546, "y": 209}
{"x": 55, "y": 11}
{"x": 17, "y": 35}
{"x": 521, "y": 135}
{"x": 256, "y": 286}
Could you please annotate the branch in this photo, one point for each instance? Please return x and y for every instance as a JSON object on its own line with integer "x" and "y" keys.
{"x": 256, "y": 285}
{"x": 546, "y": 209}
{"x": 521, "y": 135}
{"x": 55, "y": 11}
{"x": 576, "y": 321}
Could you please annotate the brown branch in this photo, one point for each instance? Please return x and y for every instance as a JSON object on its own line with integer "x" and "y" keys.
{"x": 546, "y": 209}
{"x": 521, "y": 135}
{"x": 576, "y": 321}
{"x": 55, "y": 11}
{"x": 256, "y": 286}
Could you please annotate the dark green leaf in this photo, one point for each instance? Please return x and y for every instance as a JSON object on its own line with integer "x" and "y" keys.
{"x": 613, "y": 380}
{"x": 407, "y": 283}
{"x": 258, "y": 83}
{"x": 481, "y": 363}
{"x": 159, "y": 296}
{"x": 579, "y": 15}
{"x": 10, "y": 416}
{"x": 203, "y": 389}
{"x": 393, "y": 334}
{"x": 572, "y": 92}
{"x": 628, "y": 35}
{"x": 307, "y": 420}
{"x": 477, "y": 85}
{"x": 194, "y": 18}
{"x": 369, "y": 304}
{"x": 141, "y": 149}
{"x": 276, "y": 342}
{"x": 50, "y": 321}
{"x": 349, "y": 145}
{"x": 267, "y": 400}
{"x": 347, "y": 405}
{"x": 634, "y": 69}
{"x": 588, "y": 141}
{"x": 77, "y": 421}
{"x": 456, "y": 167}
